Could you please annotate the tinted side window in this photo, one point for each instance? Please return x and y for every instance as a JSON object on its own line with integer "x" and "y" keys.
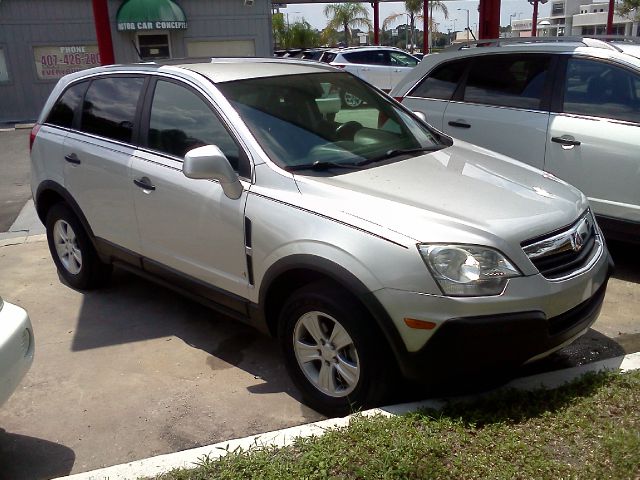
{"x": 442, "y": 82}
{"x": 181, "y": 120}
{"x": 67, "y": 105}
{"x": 601, "y": 90}
{"x": 400, "y": 59}
{"x": 109, "y": 107}
{"x": 508, "y": 80}
{"x": 366, "y": 58}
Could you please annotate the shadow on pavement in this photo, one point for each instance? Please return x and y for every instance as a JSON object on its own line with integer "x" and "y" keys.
{"x": 23, "y": 457}
{"x": 627, "y": 260}
{"x": 132, "y": 309}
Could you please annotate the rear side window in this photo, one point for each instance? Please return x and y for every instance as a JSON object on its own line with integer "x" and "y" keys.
{"x": 508, "y": 80}
{"x": 109, "y": 107}
{"x": 442, "y": 82}
{"x": 600, "y": 89}
{"x": 328, "y": 57}
{"x": 367, "y": 58}
{"x": 67, "y": 105}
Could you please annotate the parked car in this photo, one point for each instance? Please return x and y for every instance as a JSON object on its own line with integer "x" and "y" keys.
{"x": 16, "y": 347}
{"x": 382, "y": 67}
{"x": 569, "y": 107}
{"x": 364, "y": 240}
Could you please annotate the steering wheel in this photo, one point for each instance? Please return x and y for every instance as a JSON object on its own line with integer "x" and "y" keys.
{"x": 348, "y": 130}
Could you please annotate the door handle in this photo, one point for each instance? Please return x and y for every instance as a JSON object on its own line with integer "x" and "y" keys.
{"x": 366, "y": 69}
{"x": 566, "y": 141}
{"x": 72, "y": 158}
{"x": 459, "y": 124}
{"x": 144, "y": 183}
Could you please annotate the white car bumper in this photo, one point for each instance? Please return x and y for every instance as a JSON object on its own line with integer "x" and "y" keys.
{"x": 16, "y": 348}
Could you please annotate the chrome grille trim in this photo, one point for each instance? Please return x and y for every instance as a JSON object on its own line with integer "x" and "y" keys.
{"x": 567, "y": 253}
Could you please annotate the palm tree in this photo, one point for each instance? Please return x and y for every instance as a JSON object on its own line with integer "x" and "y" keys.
{"x": 414, "y": 10}
{"x": 347, "y": 15}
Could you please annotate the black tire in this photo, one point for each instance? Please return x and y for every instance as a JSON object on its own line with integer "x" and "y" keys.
{"x": 76, "y": 258}
{"x": 371, "y": 351}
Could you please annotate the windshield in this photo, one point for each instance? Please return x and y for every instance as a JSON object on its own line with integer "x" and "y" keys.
{"x": 328, "y": 119}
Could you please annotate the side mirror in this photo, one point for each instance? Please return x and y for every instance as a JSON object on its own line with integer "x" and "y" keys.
{"x": 209, "y": 163}
{"x": 421, "y": 116}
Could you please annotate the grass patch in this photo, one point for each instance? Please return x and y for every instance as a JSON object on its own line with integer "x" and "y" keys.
{"x": 589, "y": 429}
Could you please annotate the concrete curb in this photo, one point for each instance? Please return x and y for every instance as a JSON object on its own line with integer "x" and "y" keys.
{"x": 188, "y": 458}
{"x": 26, "y": 228}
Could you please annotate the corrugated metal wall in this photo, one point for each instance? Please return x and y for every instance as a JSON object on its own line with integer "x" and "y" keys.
{"x": 25, "y": 24}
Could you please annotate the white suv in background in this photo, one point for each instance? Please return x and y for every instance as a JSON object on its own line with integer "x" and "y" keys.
{"x": 570, "y": 107}
{"x": 382, "y": 67}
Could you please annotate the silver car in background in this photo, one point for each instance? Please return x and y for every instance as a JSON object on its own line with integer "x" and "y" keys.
{"x": 367, "y": 242}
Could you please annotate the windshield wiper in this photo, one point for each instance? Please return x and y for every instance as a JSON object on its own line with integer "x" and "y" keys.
{"x": 400, "y": 151}
{"x": 319, "y": 166}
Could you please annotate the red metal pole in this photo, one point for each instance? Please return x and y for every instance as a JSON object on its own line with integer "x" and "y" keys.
{"x": 489, "y": 22}
{"x": 103, "y": 31}
{"x": 534, "y": 21}
{"x": 612, "y": 5}
{"x": 376, "y": 23}
{"x": 425, "y": 23}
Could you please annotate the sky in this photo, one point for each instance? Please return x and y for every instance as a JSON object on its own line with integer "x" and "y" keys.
{"x": 313, "y": 13}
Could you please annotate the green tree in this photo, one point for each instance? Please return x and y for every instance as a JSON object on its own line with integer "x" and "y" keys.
{"x": 629, "y": 8}
{"x": 301, "y": 35}
{"x": 280, "y": 31}
{"x": 347, "y": 15}
{"x": 413, "y": 8}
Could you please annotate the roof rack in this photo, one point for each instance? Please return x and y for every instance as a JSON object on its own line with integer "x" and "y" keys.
{"x": 599, "y": 41}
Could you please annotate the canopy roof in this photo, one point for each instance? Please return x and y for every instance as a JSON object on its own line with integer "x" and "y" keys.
{"x": 150, "y": 15}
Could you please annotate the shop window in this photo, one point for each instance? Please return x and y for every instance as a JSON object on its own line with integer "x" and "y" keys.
{"x": 151, "y": 47}
{"x": 4, "y": 72}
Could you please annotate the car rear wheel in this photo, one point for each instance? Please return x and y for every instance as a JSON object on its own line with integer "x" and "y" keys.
{"x": 72, "y": 251}
{"x": 331, "y": 350}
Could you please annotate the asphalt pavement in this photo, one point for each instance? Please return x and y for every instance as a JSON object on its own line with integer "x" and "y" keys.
{"x": 135, "y": 370}
{"x": 14, "y": 175}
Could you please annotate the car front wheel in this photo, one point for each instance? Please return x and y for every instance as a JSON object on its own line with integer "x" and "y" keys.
{"x": 331, "y": 351}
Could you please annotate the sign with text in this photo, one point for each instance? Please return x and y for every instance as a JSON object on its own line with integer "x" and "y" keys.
{"x": 4, "y": 72}
{"x": 56, "y": 62}
{"x": 158, "y": 25}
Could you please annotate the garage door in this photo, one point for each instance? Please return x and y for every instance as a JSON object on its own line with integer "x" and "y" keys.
{"x": 222, "y": 48}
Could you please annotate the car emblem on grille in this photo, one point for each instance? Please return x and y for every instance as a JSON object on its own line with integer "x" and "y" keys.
{"x": 576, "y": 242}
{"x": 580, "y": 234}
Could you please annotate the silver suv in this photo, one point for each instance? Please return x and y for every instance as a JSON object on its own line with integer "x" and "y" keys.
{"x": 569, "y": 106}
{"x": 364, "y": 240}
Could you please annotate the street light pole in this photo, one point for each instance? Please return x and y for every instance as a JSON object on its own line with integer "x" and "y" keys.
{"x": 467, "y": 23}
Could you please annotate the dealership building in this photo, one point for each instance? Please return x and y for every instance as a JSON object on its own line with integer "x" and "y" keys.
{"x": 42, "y": 40}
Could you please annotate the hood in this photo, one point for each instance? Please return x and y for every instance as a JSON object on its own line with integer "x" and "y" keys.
{"x": 461, "y": 188}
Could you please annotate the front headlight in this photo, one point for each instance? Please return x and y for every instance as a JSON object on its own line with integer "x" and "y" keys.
{"x": 468, "y": 270}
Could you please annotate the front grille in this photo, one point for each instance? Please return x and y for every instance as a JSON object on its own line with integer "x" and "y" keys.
{"x": 562, "y": 253}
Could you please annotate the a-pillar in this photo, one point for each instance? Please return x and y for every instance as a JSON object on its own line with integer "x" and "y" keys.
{"x": 489, "y": 22}
{"x": 103, "y": 31}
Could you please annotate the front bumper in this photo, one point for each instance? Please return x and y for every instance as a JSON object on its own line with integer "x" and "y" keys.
{"x": 473, "y": 336}
{"x": 16, "y": 348}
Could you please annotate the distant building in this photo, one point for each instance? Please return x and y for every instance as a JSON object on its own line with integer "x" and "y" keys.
{"x": 576, "y": 17}
{"x": 42, "y": 40}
